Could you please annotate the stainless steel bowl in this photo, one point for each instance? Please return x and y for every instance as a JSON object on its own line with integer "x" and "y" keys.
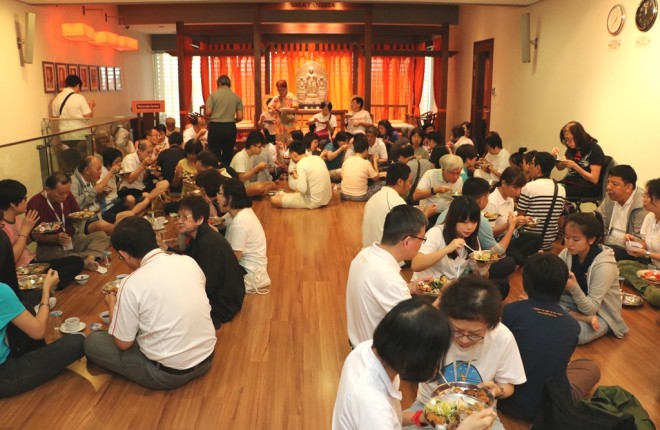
{"x": 31, "y": 282}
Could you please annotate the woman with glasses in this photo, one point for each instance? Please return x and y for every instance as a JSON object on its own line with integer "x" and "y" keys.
{"x": 647, "y": 247}
{"x": 443, "y": 251}
{"x": 483, "y": 351}
{"x": 409, "y": 343}
{"x": 592, "y": 293}
{"x": 584, "y": 159}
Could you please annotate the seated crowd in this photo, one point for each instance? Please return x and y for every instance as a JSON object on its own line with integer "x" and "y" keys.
{"x": 431, "y": 205}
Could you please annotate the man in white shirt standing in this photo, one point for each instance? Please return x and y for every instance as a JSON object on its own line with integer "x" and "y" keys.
{"x": 622, "y": 210}
{"x": 161, "y": 334}
{"x": 358, "y": 118}
{"x": 310, "y": 180}
{"x": 374, "y": 282}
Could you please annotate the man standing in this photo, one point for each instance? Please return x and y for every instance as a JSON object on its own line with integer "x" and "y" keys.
{"x": 224, "y": 276}
{"x": 283, "y": 109}
{"x": 622, "y": 210}
{"x": 310, "y": 180}
{"x": 161, "y": 334}
{"x": 543, "y": 199}
{"x": 374, "y": 282}
{"x": 54, "y": 204}
{"x": 71, "y": 108}
{"x": 358, "y": 118}
{"x": 224, "y": 109}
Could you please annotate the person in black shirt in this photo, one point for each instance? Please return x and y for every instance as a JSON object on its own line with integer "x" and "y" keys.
{"x": 169, "y": 158}
{"x": 546, "y": 335}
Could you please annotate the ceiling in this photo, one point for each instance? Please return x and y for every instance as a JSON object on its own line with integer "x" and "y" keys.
{"x": 447, "y": 2}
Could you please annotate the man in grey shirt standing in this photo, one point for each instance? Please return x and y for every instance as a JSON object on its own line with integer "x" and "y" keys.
{"x": 225, "y": 109}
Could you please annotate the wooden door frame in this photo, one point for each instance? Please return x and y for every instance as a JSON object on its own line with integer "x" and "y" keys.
{"x": 480, "y": 46}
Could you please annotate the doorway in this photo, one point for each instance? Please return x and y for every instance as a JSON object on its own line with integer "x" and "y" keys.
{"x": 482, "y": 84}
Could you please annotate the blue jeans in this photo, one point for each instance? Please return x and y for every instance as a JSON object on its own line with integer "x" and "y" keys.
{"x": 18, "y": 375}
{"x": 100, "y": 348}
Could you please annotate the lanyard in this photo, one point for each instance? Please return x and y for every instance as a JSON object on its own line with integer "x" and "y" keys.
{"x": 63, "y": 220}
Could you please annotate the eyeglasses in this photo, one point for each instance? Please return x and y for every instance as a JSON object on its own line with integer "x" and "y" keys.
{"x": 567, "y": 141}
{"x": 423, "y": 239}
{"x": 184, "y": 217}
{"x": 469, "y": 335}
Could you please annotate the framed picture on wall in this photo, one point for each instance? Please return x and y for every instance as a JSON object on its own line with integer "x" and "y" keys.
{"x": 103, "y": 80}
{"x": 72, "y": 69}
{"x": 118, "y": 83}
{"x": 50, "y": 85}
{"x": 84, "y": 77}
{"x": 93, "y": 78}
{"x": 111, "y": 78}
{"x": 61, "y": 75}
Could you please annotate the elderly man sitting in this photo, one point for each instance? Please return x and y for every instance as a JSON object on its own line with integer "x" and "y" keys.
{"x": 136, "y": 166}
{"x": 438, "y": 185}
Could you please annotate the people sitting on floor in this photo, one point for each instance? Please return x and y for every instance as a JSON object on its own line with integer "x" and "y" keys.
{"x": 137, "y": 178}
{"x": 645, "y": 248}
{"x": 360, "y": 176}
{"x": 437, "y": 185}
{"x": 224, "y": 278}
{"x": 88, "y": 187}
{"x": 469, "y": 155}
{"x": 333, "y": 154}
{"x": 208, "y": 181}
{"x": 310, "y": 181}
{"x": 54, "y": 204}
{"x": 13, "y": 204}
{"x": 247, "y": 167}
{"x": 197, "y": 129}
{"x": 208, "y": 160}
{"x": 542, "y": 199}
{"x": 324, "y": 122}
{"x": 622, "y": 210}
{"x": 377, "y": 148}
{"x": 187, "y": 166}
{"x": 245, "y": 235}
{"x": 168, "y": 159}
{"x": 161, "y": 334}
{"x": 436, "y": 148}
{"x": 495, "y": 161}
{"x": 592, "y": 293}
{"x": 170, "y": 126}
{"x": 38, "y": 363}
{"x": 358, "y": 118}
{"x": 387, "y": 133}
{"x": 374, "y": 283}
{"x": 418, "y": 166}
{"x": 458, "y": 138}
{"x": 546, "y": 336}
{"x": 311, "y": 142}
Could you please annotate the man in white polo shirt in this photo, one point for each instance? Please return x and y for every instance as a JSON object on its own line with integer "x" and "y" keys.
{"x": 161, "y": 334}
{"x": 437, "y": 185}
{"x": 377, "y": 148}
{"x": 374, "y": 282}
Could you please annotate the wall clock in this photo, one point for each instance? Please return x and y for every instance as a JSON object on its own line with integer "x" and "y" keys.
{"x": 647, "y": 11}
{"x": 615, "y": 19}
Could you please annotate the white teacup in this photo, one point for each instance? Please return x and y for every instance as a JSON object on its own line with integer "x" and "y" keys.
{"x": 72, "y": 324}
{"x": 632, "y": 245}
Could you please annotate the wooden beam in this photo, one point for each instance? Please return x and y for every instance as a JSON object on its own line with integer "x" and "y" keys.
{"x": 368, "y": 32}
{"x": 267, "y": 72}
{"x": 180, "y": 53}
{"x": 256, "y": 44}
{"x": 442, "y": 108}
{"x": 404, "y": 53}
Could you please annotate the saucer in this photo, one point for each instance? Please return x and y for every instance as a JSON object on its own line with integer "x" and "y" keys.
{"x": 81, "y": 327}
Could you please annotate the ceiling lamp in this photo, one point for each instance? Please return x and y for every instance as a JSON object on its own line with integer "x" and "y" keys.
{"x": 78, "y": 32}
{"x": 126, "y": 43}
{"x": 105, "y": 38}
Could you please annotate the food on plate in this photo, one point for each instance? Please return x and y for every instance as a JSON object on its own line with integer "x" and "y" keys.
{"x": 81, "y": 215}
{"x": 447, "y": 411}
{"x": 31, "y": 282}
{"x": 434, "y": 286}
{"x": 491, "y": 215}
{"x": 652, "y": 276}
{"x": 532, "y": 222}
{"x": 48, "y": 227}
{"x": 32, "y": 269}
{"x": 631, "y": 300}
{"x": 486, "y": 255}
{"x": 111, "y": 287}
{"x": 483, "y": 394}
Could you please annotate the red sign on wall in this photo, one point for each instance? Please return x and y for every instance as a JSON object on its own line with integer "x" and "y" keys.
{"x": 148, "y": 106}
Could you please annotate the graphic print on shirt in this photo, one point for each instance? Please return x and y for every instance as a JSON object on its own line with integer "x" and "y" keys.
{"x": 460, "y": 371}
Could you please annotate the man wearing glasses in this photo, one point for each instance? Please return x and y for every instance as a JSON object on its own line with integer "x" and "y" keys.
{"x": 244, "y": 160}
{"x": 374, "y": 282}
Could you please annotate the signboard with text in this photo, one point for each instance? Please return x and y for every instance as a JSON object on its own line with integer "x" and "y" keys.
{"x": 148, "y": 106}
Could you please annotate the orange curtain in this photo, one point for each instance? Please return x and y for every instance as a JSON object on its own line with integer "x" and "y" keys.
{"x": 418, "y": 80}
{"x": 437, "y": 76}
{"x": 391, "y": 85}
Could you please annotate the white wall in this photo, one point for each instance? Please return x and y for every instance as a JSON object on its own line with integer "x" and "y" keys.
{"x": 575, "y": 75}
{"x": 23, "y": 101}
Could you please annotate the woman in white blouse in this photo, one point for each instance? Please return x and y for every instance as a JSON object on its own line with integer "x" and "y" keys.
{"x": 245, "y": 235}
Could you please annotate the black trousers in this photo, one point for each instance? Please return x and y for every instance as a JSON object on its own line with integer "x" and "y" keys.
{"x": 221, "y": 140}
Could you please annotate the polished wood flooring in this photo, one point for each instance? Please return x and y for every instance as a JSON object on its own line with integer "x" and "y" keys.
{"x": 277, "y": 365}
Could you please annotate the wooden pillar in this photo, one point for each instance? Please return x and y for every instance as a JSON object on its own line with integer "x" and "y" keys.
{"x": 180, "y": 53}
{"x": 267, "y": 72}
{"x": 368, "y": 33}
{"x": 356, "y": 66}
{"x": 442, "y": 108}
{"x": 257, "y": 64}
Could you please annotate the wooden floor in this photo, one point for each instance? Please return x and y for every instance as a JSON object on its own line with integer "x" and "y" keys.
{"x": 277, "y": 365}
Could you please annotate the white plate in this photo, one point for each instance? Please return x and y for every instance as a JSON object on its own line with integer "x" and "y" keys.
{"x": 81, "y": 327}
{"x": 158, "y": 228}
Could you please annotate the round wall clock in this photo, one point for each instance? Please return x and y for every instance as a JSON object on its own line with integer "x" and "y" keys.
{"x": 647, "y": 11}
{"x": 615, "y": 19}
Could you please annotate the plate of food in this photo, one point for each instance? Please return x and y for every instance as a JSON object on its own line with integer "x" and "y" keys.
{"x": 455, "y": 194}
{"x": 31, "y": 282}
{"x": 486, "y": 256}
{"x": 631, "y": 300}
{"x": 448, "y": 410}
{"x": 650, "y": 276}
{"x": 111, "y": 287}
{"x": 432, "y": 287}
{"x": 484, "y": 395}
{"x": 48, "y": 227}
{"x": 491, "y": 216}
{"x": 81, "y": 215}
{"x": 532, "y": 222}
{"x": 32, "y": 269}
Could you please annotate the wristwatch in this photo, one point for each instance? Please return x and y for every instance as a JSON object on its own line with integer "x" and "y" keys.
{"x": 648, "y": 254}
{"x": 433, "y": 191}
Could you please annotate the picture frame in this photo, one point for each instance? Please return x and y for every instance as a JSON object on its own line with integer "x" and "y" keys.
{"x": 72, "y": 69}
{"x": 84, "y": 77}
{"x": 110, "y": 73}
{"x": 60, "y": 70}
{"x": 50, "y": 85}
{"x": 103, "y": 80}
{"x": 94, "y": 78}
{"x": 118, "y": 79}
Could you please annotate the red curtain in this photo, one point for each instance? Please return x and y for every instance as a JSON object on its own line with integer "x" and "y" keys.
{"x": 418, "y": 80}
{"x": 187, "y": 76}
{"x": 207, "y": 84}
{"x": 391, "y": 84}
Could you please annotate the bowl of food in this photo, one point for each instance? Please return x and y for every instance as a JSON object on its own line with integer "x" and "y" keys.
{"x": 217, "y": 220}
{"x": 650, "y": 276}
{"x": 31, "y": 282}
{"x": 111, "y": 287}
{"x": 631, "y": 300}
{"x": 532, "y": 222}
{"x": 80, "y": 215}
{"x": 32, "y": 269}
{"x": 491, "y": 216}
{"x": 455, "y": 194}
{"x": 448, "y": 410}
{"x": 486, "y": 256}
{"x": 432, "y": 287}
{"x": 483, "y": 394}
{"x": 105, "y": 317}
{"x": 82, "y": 279}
